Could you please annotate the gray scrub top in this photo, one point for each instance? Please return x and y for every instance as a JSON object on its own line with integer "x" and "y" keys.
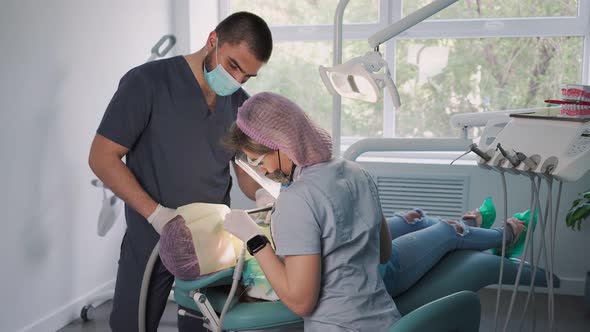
{"x": 333, "y": 209}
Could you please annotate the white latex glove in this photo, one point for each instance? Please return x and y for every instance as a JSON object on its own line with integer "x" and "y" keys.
{"x": 160, "y": 217}
{"x": 264, "y": 198}
{"x": 239, "y": 223}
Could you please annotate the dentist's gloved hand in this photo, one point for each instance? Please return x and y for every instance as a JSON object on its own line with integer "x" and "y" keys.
{"x": 239, "y": 223}
{"x": 264, "y": 198}
{"x": 160, "y": 217}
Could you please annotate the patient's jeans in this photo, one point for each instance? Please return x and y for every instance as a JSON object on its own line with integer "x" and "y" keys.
{"x": 419, "y": 244}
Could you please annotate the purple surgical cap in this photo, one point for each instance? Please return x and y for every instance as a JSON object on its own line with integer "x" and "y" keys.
{"x": 278, "y": 123}
{"x": 177, "y": 250}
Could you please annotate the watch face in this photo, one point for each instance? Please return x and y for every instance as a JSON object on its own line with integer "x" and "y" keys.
{"x": 256, "y": 243}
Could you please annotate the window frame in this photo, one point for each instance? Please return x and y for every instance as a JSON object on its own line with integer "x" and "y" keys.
{"x": 391, "y": 11}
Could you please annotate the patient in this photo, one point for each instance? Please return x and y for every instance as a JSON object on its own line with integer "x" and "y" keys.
{"x": 420, "y": 241}
{"x": 194, "y": 244}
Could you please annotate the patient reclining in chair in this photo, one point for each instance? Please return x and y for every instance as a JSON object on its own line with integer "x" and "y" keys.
{"x": 195, "y": 244}
{"x": 419, "y": 241}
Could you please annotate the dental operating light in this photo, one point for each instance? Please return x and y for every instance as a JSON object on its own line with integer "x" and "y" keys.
{"x": 359, "y": 79}
{"x": 364, "y": 77}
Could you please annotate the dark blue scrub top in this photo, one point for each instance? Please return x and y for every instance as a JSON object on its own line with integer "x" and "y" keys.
{"x": 160, "y": 114}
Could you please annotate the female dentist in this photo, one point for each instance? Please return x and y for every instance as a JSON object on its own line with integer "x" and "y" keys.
{"x": 328, "y": 228}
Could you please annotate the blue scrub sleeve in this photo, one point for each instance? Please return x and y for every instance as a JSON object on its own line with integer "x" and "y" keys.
{"x": 129, "y": 111}
{"x": 295, "y": 229}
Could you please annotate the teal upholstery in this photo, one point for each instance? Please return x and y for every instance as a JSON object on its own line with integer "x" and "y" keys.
{"x": 241, "y": 316}
{"x": 458, "y": 271}
{"x": 456, "y": 312}
{"x": 465, "y": 270}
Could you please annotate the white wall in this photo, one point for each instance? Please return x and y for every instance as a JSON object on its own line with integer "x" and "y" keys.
{"x": 60, "y": 62}
{"x": 204, "y": 16}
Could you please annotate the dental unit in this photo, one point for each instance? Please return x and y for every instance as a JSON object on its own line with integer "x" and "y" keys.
{"x": 543, "y": 145}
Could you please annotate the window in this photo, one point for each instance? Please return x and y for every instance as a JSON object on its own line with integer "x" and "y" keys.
{"x": 474, "y": 56}
{"x": 307, "y": 12}
{"x": 437, "y": 78}
{"x": 466, "y": 9}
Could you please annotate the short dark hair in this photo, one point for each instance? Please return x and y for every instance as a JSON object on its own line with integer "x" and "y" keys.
{"x": 246, "y": 27}
{"x": 236, "y": 140}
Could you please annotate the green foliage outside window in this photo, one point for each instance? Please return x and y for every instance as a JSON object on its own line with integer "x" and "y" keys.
{"x": 290, "y": 12}
{"x": 465, "y": 9}
{"x": 486, "y": 74}
{"x": 436, "y": 78}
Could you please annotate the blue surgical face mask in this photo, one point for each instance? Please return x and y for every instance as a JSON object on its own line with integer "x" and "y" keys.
{"x": 220, "y": 81}
{"x": 279, "y": 176}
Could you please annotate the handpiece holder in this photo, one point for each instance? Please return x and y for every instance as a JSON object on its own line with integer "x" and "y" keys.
{"x": 529, "y": 163}
{"x": 512, "y": 159}
{"x": 473, "y": 147}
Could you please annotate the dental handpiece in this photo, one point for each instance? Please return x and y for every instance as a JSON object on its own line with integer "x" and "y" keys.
{"x": 262, "y": 209}
{"x": 512, "y": 159}
{"x": 473, "y": 147}
{"x": 531, "y": 164}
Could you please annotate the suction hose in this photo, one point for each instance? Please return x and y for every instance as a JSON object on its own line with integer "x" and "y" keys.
{"x": 237, "y": 272}
{"x": 145, "y": 285}
{"x": 236, "y": 279}
{"x": 149, "y": 267}
{"x": 503, "y": 254}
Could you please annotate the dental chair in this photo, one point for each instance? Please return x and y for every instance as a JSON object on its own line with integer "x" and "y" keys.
{"x": 443, "y": 300}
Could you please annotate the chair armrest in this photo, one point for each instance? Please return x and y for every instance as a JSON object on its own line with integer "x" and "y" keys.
{"x": 456, "y": 312}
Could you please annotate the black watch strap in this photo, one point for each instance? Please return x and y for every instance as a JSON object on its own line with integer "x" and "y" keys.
{"x": 257, "y": 243}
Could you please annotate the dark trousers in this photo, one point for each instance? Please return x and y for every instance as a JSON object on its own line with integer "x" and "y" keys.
{"x": 135, "y": 252}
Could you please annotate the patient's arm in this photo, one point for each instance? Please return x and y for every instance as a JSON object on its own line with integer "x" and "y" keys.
{"x": 296, "y": 280}
{"x": 384, "y": 242}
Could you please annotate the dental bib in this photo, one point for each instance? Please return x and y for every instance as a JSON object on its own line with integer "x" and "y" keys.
{"x": 194, "y": 244}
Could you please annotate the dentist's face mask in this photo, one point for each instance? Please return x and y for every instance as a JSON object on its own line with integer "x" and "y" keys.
{"x": 220, "y": 81}
{"x": 279, "y": 176}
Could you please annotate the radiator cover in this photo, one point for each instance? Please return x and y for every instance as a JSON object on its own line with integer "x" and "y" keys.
{"x": 444, "y": 197}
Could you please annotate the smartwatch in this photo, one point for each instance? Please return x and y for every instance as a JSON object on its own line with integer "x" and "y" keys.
{"x": 256, "y": 243}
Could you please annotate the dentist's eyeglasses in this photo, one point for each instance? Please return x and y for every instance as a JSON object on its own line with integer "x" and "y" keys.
{"x": 257, "y": 162}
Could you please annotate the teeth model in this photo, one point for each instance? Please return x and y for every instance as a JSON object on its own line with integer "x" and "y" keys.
{"x": 579, "y": 96}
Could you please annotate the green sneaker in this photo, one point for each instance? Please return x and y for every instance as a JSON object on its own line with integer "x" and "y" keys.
{"x": 516, "y": 248}
{"x": 488, "y": 213}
